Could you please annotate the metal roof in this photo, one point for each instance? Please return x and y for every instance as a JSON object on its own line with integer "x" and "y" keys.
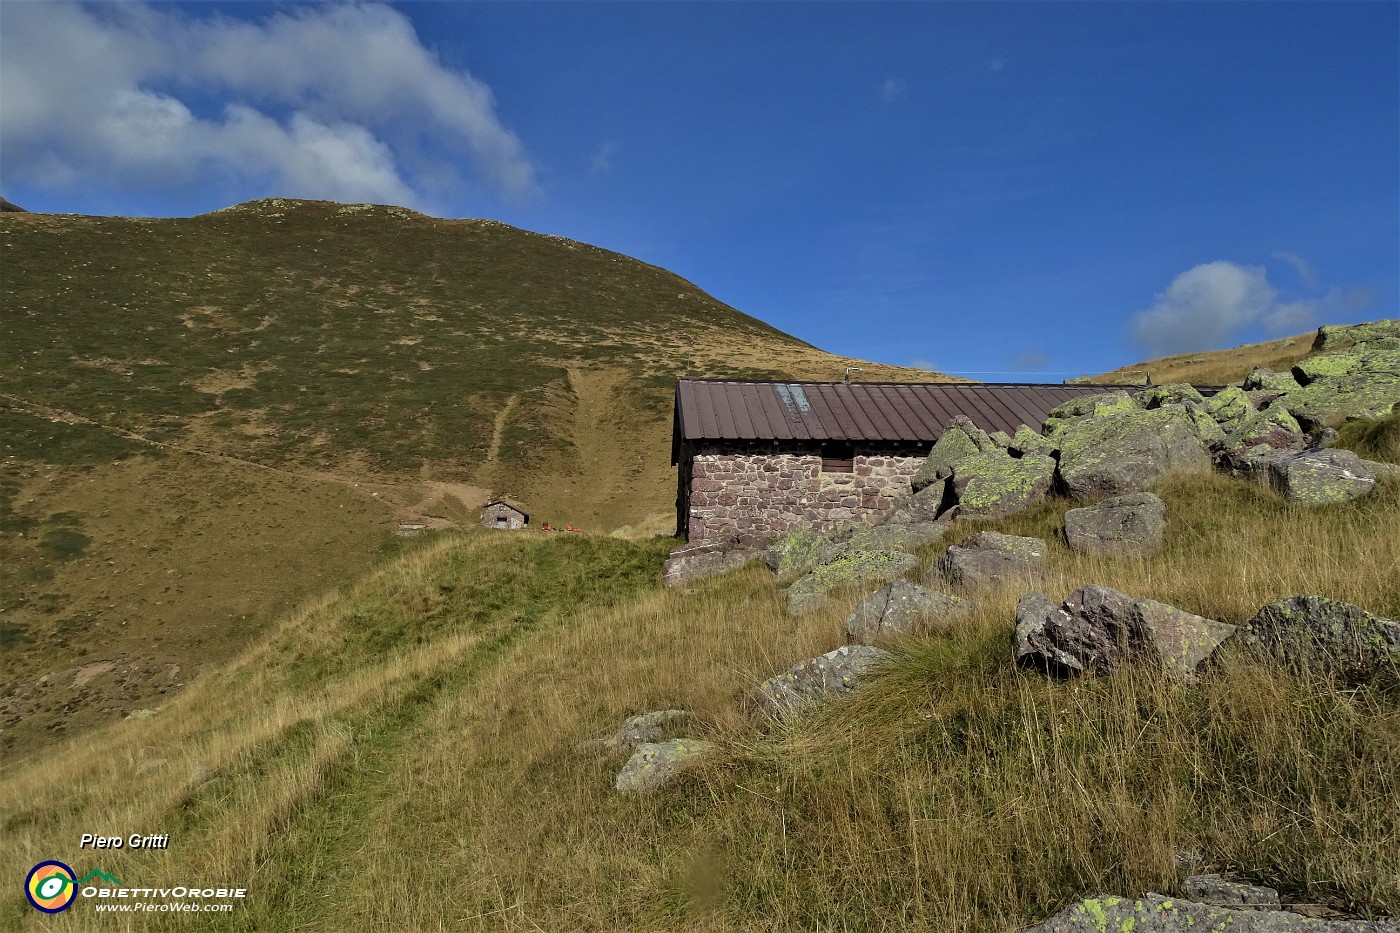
{"x": 861, "y": 411}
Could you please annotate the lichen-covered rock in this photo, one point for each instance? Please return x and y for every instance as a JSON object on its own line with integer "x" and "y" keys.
{"x": 1171, "y": 394}
{"x": 1316, "y": 633}
{"x": 994, "y": 484}
{"x": 1250, "y": 462}
{"x": 1261, "y": 377}
{"x": 1127, "y": 452}
{"x": 1330, "y": 401}
{"x": 701, "y": 559}
{"x": 833, "y": 674}
{"x": 906, "y": 537}
{"x": 849, "y": 566}
{"x": 1272, "y": 425}
{"x": 1097, "y": 629}
{"x": 653, "y": 764}
{"x": 1331, "y": 336}
{"x": 1131, "y": 524}
{"x": 990, "y": 559}
{"x": 1321, "y": 477}
{"x": 1028, "y": 441}
{"x": 1102, "y": 405}
{"x": 903, "y": 608}
{"x": 1207, "y": 429}
{"x": 799, "y": 551}
{"x": 922, "y": 507}
{"x": 1229, "y": 405}
{"x": 1001, "y": 439}
{"x": 1362, "y": 358}
{"x": 649, "y": 727}
{"x": 1221, "y": 892}
{"x": 1153, "y": 913}
{"x": 961, "y": 439}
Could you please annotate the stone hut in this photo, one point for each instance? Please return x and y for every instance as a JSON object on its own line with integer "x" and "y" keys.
{"x": 756, "y": 459}
{"x": 502, "y": 514}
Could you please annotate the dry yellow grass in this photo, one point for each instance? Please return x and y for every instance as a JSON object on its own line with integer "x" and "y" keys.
{"x": 414, "y": 754}
{"x": 1214, "y": 367}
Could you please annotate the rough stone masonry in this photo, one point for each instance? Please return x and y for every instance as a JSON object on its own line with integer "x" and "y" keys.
{"x": 750, "y": 496}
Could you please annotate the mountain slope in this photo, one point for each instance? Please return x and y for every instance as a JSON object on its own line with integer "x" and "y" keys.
{"x": 1212, "y": 367}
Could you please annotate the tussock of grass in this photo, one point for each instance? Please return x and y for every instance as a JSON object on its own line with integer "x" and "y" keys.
{"x": 432, "y": 771}
{"x": 1373, "y": 438}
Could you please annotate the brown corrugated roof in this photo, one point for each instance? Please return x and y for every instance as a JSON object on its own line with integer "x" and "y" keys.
{"x": 861, "y": 411}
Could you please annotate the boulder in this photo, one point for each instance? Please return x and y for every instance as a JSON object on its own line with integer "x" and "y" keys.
{"x": 833, "y": 674}
{"x": 897, "y": 537}
{"x": 961, "y": 439}
{"x": 1207, "y": 429}
{"x": 1098, "y": 629}
{"x": 1001, "y": 439}
{"x": 1131, "y": 524}
{"x": 1251, "y": 462}
{"x": 1229, "y": 405}
{"x": 701, "y": 559}
{"x": 1171, "y": 394}
{"x": 903, "y": 608}
{"x": 995, "y": 484}
{"x": 1220, "y": 892}
{"x": 1362, "y": 358}
{"x": 655, "y": 763}
{"x": 648, "y": 727}
{"x": 1328, "y": 402}
{"x": 1028, "y": 441}
{"x": 798, "y": 551}
{"x": 1272, "y": 425}
{"x": 1102, "y": 405}
{"x": 849, "y": 566}
{"x": 1332, "y": 336}
{"x": 1321, "y": 477}
{"x": 1153, "y": 913}
{"x": 1261, "y": 377}
{"x": 1128, "y": 452}
{"x": 1316, "y": 633}
{"x": 922, "y": 507}
{"x": 989, "y": 559}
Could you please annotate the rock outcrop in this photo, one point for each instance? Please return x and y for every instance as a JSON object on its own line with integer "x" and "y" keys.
{"x": 808, "y": 592}
{"x": 903, "y": 608}
{"x": 1127, "y": 450}
{"x": 1316, "y": 633}
{"x": 833, "y": 674}
{"x": 995, "y": 484}
{"x": 1131, "y": 524}
{"x": 989, "y": 559}
{"x": 654, "y": 764}
{"x": 1098, "y": 629}
{"x": 702, "y": 559}
{"x": 1153, "y": 913}
{"x": 1320, "y": 477}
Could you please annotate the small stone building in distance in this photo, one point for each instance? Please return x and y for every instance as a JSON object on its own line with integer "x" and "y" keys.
{"x": 756, "y": 459}
{"x": 502, "y": 514}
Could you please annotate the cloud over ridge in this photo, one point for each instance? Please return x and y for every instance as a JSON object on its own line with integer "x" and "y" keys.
{"x": 330, "y": 101}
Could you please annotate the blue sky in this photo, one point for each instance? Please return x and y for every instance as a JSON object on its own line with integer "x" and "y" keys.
{"x": 1022, "y": 190}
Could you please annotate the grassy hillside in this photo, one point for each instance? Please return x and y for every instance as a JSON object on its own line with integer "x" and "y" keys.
{"x": 414, "y": 754}
{"x": 204, "y": 421}
{"x": 1213, "y": 367}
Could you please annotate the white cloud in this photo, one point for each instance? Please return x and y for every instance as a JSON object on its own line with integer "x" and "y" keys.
{"x": 892, "y": 90}
{"x": 1307, "y": 272}
{"x": 1209, "y": 304}
{"x": 602, "y": 159}
{"x": 322, "y": 101}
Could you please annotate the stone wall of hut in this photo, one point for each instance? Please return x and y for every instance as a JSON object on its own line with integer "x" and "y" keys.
{"x": 492, "y": 515}
{"x": 758, "y": 495}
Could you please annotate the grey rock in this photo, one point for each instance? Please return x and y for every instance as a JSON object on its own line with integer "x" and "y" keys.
{"x": 1131, "y": 524}
{"x": 798, "y": 551}
{"x": 1028, "y": 441}
{"x": 989, "y": 559}
{"x": 996, "y": 484}
{"x": 1170, "y": 394}
{"x": 848, "y": 567}
{"x": 1331, "y": 400}
{"x": 1098, "y": 629}
{"x": 1333, "y": 336}
{"x": 653, "y": 764}
{"x": 833, "y": 674}
{"x": 903, "y": 608}
{"x": 1320, "y": 477}
{"x": 1220, "y": 892}
{"x": 1316, "y": 633}
{"x": 907, "y": 537}
{"x": 1272, "y": 425}
{"x": 1261, "y": 377}
{"x": 960, "y": 439}
{"x": 649, "y": 727}
{"x": 1127, "y": 452}
{"x": 922, "y": 507}
{"x": 702, "y": 559}
{"x": 1153, "y": 913}
{"x": 1229, "y": 405}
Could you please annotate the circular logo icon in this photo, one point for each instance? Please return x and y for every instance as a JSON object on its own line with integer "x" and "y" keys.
{"x": 50, "y": 887}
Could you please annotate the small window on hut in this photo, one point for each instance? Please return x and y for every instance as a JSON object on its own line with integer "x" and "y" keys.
{"x": 838, "y": 458}
{"x": 500, "y": 521}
